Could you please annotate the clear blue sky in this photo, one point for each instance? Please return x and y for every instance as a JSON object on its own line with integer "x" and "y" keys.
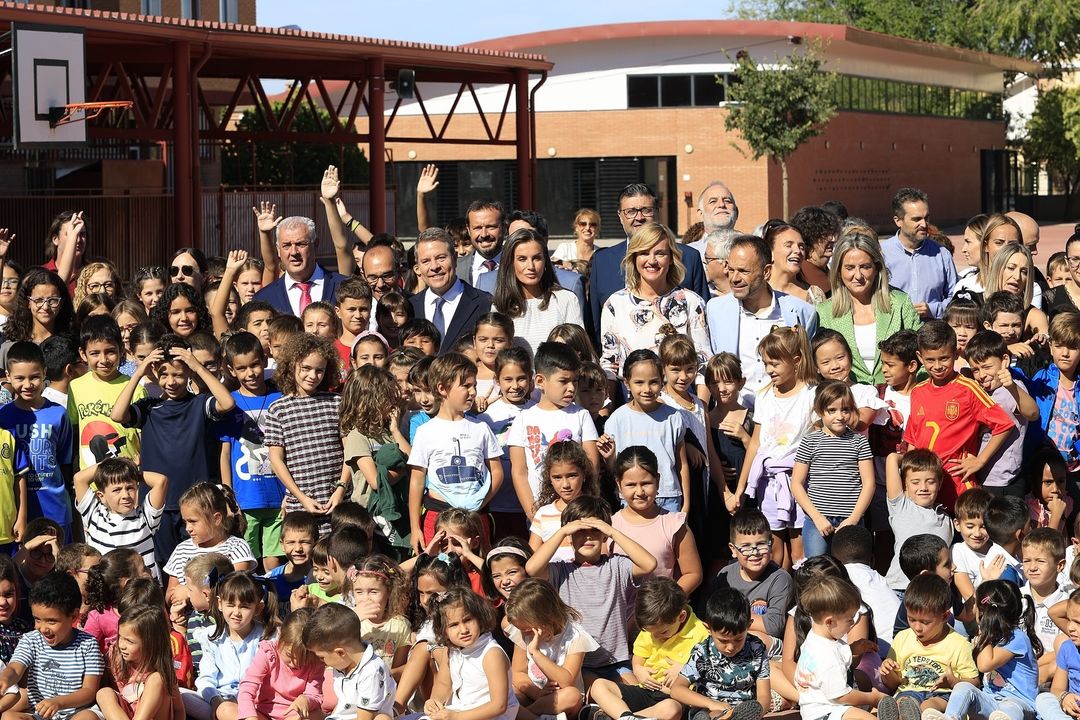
{"x": 455, "y": 22}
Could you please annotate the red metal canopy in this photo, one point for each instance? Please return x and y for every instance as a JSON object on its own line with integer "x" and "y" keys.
{"x": 185, "y": 74}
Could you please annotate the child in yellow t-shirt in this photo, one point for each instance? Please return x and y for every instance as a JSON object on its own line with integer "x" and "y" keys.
{"x": 669, "y": 631}
{"x": 14, "y": 464}
{"x": 929, "y": 658}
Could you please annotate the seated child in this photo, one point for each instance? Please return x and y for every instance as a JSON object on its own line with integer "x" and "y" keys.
{"x": 61, "y": 665}
{"x": 201, "y": 572}
{"x": 1063, "y": 700}
{"x": 284, "y": 678}
{"x": 928, "y": 658}
{"x": 299, "y": 533}
{"x": 728, "y": 671}
{"x": 362, "y": 686}
{"x": 76, "y": 559}
{"x": 755, "y": 575}
{"x": 853, "y": 546}
{"x": 822, "y": 675}
{"x": 1044, "y": 558}
{"x": 324, "y": 589}
{"x": 975, "y": 547}
{"x": 12, "y": 626}
{"x": 670, "y": 635}
{"x": 549, "y": 649}
{"x": 925, "y": 555}
{"x": 1007, "y": 522}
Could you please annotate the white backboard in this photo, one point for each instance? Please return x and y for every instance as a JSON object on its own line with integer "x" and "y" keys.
{"x": 49, "y": 70}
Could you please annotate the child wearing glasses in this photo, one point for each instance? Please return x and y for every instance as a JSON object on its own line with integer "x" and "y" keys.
{"x": 755, "y": 575}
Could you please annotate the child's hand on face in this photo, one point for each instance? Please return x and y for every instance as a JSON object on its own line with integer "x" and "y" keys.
{"x": 1056, "y": 505}
{"x": 150, "y": 361}
{"x": 533, "y": 645}
{"x": 436, "y": 545}
{"x": 597, "y": 524}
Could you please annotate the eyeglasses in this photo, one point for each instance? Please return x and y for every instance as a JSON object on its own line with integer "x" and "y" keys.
{"x": 388, "y": 277}
{"x": 53, "y": 302}
{"x": 96, "y": 287}
{"x": 582, "y": 223}
{"x": 1074, "y": 261}
{"x": 753, "y": 550}
{"x": 41, "y": 552}
{"x": 630, "y": 213}
{"x": 10, "y": 283}
{"x": 187, "y": 271}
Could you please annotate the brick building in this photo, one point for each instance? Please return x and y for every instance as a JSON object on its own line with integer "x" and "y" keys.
{"x": 641, "y": 101}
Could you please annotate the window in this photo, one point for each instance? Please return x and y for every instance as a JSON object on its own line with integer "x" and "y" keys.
{"x": 191, "y": 9}
{"x": 228, "y": 11}
{"x": 642, "y": 91}
{"x": 675, "y": 91}
{"x": 150, "y": 7}
{"x": 709, "y": 90}
{"x": 79, "y": 4}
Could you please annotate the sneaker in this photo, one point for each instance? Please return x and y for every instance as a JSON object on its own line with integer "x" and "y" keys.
{"x": 632, "y": 716}
{"x": 592, "y": 711}
{"x": 998, "y": 715}
{"x": 909, "y": 708}
{"x": 932, "y": 714}
{"x": 749, "y": 710}
{"x": 887, "y": 709}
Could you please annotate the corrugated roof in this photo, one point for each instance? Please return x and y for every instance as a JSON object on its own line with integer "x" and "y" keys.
{"x": 221, "y": 33}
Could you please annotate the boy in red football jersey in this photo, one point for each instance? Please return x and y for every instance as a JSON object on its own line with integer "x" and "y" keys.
{"x": 947, "y": 411}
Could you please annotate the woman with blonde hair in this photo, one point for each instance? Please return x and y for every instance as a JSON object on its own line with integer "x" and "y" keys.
{"x": 863, "y": 308}
{"x": 586, "y": 230}
{"x": 632, "y": 317}
{"x": 98, "y": 278}
{"x": 998, "y": 232}
{"x": 1013, "y": 270}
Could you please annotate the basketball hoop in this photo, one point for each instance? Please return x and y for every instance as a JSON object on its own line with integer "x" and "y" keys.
{"x": 63, "y": 114}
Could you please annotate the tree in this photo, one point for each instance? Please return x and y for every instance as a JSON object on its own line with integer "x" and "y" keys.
{"x": 1047, "y": 31}
{"x": 293, "y": 163}
{"x": 776, "y": 109}
{"x": 1053, "y": 138}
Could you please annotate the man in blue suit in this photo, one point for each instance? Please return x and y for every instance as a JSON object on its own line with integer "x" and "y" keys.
{"x": 739, "y": 320}
{"x": 304, "y": 281}
{"x": 637, "y": 206}
{"x": 452, "y": 305}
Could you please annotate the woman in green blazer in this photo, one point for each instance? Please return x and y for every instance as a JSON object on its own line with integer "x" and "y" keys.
{"x": 863, "y": 308}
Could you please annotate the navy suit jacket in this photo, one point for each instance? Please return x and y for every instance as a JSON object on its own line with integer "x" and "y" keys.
{"x": 606, "y": 278}
{"x": 471, "y": 305}
{"x": 276, "y": 295}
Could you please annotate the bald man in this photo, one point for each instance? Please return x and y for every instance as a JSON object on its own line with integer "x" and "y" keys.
{"x": 1029, "y": 231}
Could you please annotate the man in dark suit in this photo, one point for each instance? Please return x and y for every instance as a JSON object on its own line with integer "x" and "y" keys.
{"x": 304, "y": 281}
{"x": 487, "y": 230}
{"x": 637, "y": 206}
{"x": 452, "y": 305}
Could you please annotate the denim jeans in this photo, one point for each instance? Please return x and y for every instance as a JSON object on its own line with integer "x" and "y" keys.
{"x": 812, "y": 541}
{"x": 671, "y": 504}
{"x": 969, "y": 700}
{"x": 1049, "y": 708}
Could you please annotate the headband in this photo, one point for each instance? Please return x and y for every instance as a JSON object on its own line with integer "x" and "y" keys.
{"x": 352, "y": 573}
{"x": 367, "y": 335}
{"x": 506, "y": 550}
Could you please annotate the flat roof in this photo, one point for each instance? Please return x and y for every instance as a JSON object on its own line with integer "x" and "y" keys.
{"x": 751, "y": 28}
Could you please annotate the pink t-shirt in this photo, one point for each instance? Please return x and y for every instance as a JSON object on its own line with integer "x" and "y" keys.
{"x": 657, "y": 536}
{"x": 104, "y": 626}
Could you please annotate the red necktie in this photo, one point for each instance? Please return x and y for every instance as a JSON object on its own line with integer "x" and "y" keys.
{"x": 305, "y": 295}
{"x": 488, "y": 265}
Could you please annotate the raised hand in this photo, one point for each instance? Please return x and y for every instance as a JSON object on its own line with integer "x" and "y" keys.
{"x": 266, "y": 216}
{"x": 429, "y": 179}
{"x": 330, "y": 187}
{"x": 236, "y": 260}
{"x": 6, "y": 238}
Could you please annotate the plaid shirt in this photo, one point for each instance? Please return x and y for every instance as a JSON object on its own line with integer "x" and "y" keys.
{"x": 308, "y": 429}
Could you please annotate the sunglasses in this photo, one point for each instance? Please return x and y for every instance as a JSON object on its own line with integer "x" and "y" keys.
{"x": 187, "y": 271}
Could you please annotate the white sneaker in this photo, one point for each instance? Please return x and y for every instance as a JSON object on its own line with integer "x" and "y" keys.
{"x": 932, "y": 714}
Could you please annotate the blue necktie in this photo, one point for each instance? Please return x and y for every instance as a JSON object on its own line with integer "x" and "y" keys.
{"x": 437, "y": 319}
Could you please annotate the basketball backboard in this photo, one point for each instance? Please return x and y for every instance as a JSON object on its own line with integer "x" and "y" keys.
{"x": 49, "y": 71}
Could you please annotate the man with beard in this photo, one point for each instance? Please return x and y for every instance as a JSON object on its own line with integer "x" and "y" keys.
{"x": 487, "y": 229}
{"x": 918, "y": 265}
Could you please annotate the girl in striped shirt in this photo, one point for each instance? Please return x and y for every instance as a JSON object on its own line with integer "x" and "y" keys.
{"x": 833, "y": 476}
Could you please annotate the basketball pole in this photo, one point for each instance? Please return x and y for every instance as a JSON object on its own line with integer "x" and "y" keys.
{"x": 182, "y": 151}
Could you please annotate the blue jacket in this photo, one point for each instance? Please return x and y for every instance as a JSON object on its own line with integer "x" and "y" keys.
{"x": 1043, "y": 388}
{"x": 723, "y": 315}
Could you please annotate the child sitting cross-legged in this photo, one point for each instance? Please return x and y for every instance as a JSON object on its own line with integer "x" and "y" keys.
{"x": 362, "y": 684}
{"x": 670, "y": 632}
{"x": 928, "y": 658}
{"x": 728, "y": 672}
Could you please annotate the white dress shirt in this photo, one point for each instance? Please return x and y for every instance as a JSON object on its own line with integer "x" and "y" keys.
{"x": 752, "y": 328}
{"x": 292, "y": 289}
{"x": 451, "y": 297}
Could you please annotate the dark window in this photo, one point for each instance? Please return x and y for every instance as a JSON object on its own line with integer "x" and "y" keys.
{"x": 707, "y": 91}
{"x": 642, "y": 91}
{"x": 675, "y": 91}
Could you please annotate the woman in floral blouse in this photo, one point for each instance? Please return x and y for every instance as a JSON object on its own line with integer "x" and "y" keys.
{"x": 631, "y": 318}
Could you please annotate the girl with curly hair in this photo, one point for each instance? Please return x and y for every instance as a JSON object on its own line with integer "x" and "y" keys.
{"x": 182, "y": 310}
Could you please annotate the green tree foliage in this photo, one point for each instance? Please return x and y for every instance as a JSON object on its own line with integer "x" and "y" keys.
{"x": 294, "y": 163}
{"x": 1044, "y": 30}
{"x": 1053, "y": 138}
{"x": 778, "y": 108}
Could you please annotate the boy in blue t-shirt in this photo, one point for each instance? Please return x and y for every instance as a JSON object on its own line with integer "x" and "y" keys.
{"x": 174, "y": 428}
{"x": 43, "y": 430}
{"x": 258, "y": 491}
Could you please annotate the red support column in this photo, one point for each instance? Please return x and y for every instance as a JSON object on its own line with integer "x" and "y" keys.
{"x": 377, "y": 146}
{"x": 525, "y": 199}
{"x": 183, "y": 204}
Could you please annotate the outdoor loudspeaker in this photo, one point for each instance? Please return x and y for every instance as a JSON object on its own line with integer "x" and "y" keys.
{"x": 406, "y": 84}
